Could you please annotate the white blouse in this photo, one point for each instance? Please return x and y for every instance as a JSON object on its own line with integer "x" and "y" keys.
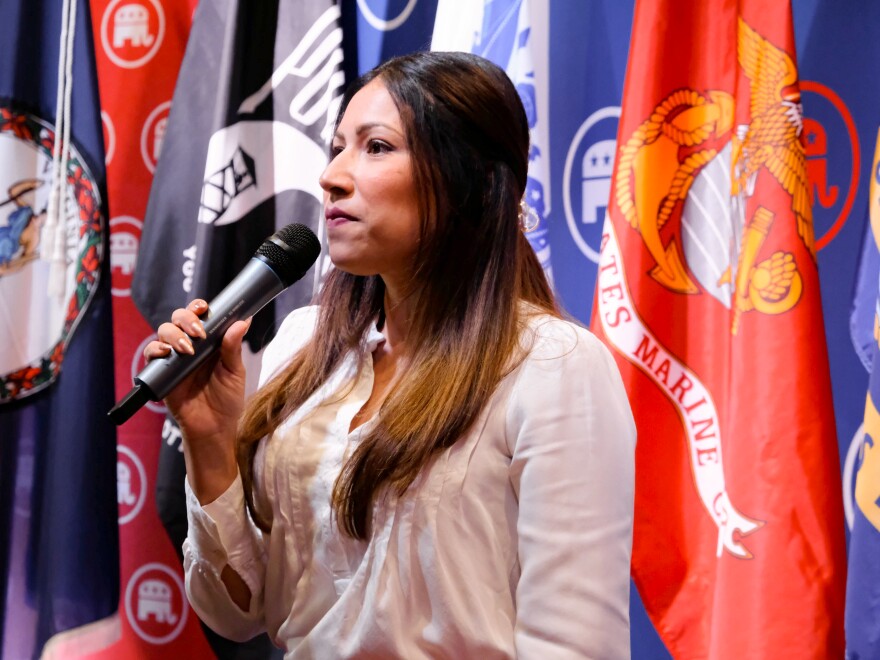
{"x": 514, "y": 543}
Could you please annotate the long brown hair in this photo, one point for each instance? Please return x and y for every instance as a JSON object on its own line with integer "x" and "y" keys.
{"x": 468, "y": 138}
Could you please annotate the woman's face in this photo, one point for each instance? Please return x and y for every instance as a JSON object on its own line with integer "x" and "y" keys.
{"x": 370, "y": 199}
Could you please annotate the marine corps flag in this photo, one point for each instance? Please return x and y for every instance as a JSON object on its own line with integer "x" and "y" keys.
{"x": 709, "y": 295}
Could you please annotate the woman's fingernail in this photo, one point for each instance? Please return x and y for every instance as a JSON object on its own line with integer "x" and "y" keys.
{"x": 161, "y": 349}
{"x": 198, "y": 329}
{"x": 185, "y": 346}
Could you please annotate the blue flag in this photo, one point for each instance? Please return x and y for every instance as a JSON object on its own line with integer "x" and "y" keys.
{"x": 863, "y": 582}
{"x": 514, "y": 35}
{"x": 59, "y": 564}
{"x": 864, "y": 314}
{"x": 376, "y": 30}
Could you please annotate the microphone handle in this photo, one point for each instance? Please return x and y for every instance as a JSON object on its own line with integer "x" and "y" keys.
{"x": 247, "y": 294}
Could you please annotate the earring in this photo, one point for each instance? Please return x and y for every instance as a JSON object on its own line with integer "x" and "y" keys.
{"x": 528, "y": 217}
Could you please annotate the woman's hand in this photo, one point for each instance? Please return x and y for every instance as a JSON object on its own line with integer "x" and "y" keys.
{"x": 208, "y": 402}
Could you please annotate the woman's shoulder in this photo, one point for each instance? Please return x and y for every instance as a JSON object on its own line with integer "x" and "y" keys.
{"x": 548, "y": 337}
{"x": 566, "y": 372}
{"x": 294, "y": 332}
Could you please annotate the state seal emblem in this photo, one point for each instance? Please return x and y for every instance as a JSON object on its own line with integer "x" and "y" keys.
{"x": 39, "y": 324}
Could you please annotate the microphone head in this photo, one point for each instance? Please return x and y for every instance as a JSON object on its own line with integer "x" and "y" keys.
{"x": 290, "y": 252}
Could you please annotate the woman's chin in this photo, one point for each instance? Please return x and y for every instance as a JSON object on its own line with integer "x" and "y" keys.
{"x": 350, "y": 265}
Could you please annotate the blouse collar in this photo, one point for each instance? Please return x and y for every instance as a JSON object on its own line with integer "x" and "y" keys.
{"x": 374, "y": 337}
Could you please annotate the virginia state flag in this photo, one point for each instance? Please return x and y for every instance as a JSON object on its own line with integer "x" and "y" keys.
{"x": 863, "y": 583}
{"x": 59, "y": 563}
{"x": 708, "y": 293}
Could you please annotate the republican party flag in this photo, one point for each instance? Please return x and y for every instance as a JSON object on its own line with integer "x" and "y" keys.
{"x": 863, "y": 580}
{"x": 59, "y": 564}
{"x": 708, "y": 294}
{"x": 514, "y": 35}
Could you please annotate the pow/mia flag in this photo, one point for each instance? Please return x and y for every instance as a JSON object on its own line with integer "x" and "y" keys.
{"x": 246, "y": 140}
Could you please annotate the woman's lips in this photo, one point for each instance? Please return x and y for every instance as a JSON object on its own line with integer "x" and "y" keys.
{"x": 336, "y": 218}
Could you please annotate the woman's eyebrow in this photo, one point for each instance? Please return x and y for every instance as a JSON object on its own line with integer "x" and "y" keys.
{"x": 363, "y": 128}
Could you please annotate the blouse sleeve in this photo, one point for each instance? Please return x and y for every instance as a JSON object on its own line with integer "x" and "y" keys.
{"x": 572, "y": 441}
{"x": 222, "y": 533}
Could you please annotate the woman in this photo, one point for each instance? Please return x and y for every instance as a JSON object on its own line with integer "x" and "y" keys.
{"x": 435, "y": 464}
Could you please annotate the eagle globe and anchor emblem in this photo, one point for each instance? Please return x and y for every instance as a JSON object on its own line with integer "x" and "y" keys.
{"x": 689, "y": 161}
{"x": 693, "y": 132}
{"x": 45, "y": 322}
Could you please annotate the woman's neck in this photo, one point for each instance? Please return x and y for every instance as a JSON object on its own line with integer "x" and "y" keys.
{"x": 397, "y": 320}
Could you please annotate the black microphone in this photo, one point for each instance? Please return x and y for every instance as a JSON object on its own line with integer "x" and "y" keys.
{"x": 281, "y": 260}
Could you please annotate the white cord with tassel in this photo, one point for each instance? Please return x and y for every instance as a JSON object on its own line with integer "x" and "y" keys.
{"x": 54, "y": 233}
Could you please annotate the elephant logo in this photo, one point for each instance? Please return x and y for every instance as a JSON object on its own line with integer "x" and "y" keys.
{"x": 155, "y": 603}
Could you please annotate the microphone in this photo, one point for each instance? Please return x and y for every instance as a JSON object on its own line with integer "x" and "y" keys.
{"x": 280, "y": 261}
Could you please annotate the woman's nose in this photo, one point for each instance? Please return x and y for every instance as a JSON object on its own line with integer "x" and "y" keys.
{"x": 336, "y": 177}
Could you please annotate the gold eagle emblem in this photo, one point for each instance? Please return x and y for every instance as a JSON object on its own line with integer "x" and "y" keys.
{"x": 772, "y": 138}
{"x": 684, "y": 133}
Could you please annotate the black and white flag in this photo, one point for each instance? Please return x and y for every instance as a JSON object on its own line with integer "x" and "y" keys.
{"x": 246, "y": 140}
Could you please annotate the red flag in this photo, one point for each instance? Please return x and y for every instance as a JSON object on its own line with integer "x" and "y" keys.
{"x": 708, "y": 293}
